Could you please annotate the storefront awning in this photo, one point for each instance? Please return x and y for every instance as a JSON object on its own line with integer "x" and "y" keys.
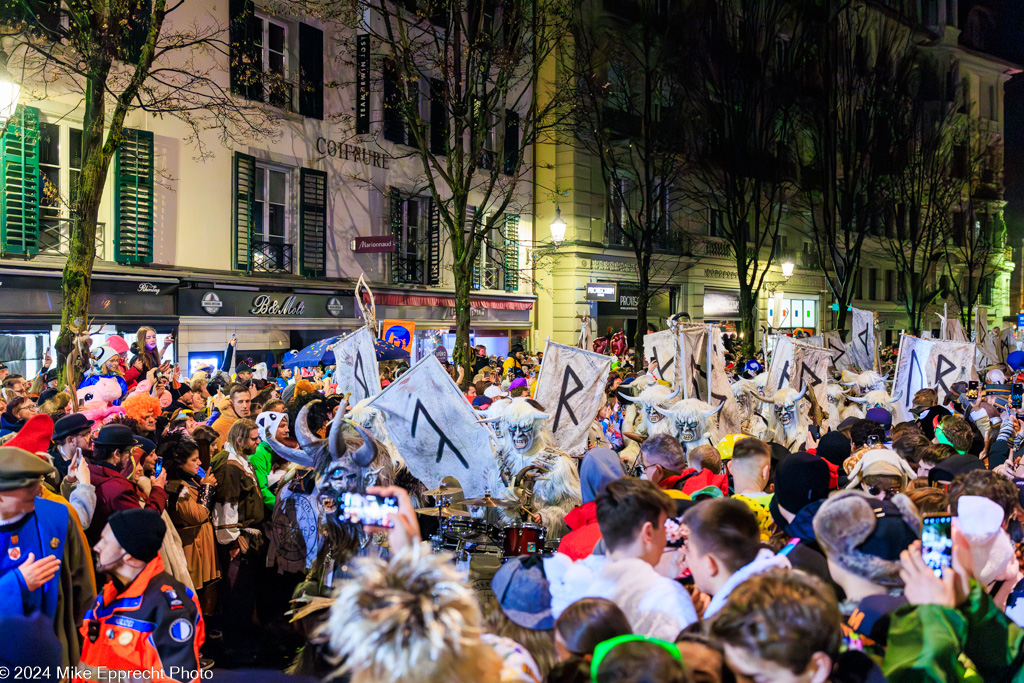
{"x": 398, "y": 299}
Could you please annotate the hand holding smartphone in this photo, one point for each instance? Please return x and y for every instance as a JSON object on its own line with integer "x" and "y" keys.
{"x": 368, "y": 510}
{"x": 937, "y": 541}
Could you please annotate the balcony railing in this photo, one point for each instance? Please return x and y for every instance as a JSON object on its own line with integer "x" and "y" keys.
{"x": 407, "y": 271}
{"x": 55, "y": 237}
{"x": 271, "y": 257}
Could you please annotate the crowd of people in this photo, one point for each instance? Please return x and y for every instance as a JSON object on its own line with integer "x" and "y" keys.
{"x": 178, "y": 527}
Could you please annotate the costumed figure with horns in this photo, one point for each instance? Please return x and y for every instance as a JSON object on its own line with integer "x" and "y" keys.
{"x": 525, "y": 441}
{"x": 787, "y": 424}
{"x": 689, "y": 421}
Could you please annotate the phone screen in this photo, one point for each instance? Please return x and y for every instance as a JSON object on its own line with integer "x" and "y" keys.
{"x": 158, "y": 467}
{"x": 369, "y": 509}
{"x": 972, "y": 390}
{"x": 937, "y": 542}
{"x": 1017, "y": 395}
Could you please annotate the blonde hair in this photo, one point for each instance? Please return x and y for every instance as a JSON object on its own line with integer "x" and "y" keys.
{"x": 55, "y": 405}
{"x": 412, "y": 619}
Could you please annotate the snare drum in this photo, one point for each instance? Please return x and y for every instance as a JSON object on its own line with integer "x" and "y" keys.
{"x": 522, "y": 539}
{"x": 466, "y": 533}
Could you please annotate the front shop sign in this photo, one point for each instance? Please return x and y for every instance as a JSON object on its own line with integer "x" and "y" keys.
{"x": 602, "y": 291}
{"x": 212, "y": 303}
{"x": 374, "y": 245}
{"x": 335, "y": 307}
{"x": 264, "y": 304}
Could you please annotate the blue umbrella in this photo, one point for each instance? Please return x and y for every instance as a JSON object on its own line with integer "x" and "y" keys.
{"x": 314, "y": 354}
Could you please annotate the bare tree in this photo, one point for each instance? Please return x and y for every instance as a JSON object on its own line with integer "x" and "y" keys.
{"x": 974, "y": 250}
{"x": 460, "y": 99}
{"x": 623, "y": 85}
{"x": 925, "y": 187}
{"x": 864, "y": 63}
{"x": 122, "y": 56}
{"x": 742, "y": 106}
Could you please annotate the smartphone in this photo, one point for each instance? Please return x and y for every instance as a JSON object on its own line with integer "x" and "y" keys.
{"x": 368, "y": 509}
{"x": 815, "y": 431}
{"x": 937, "y": 541}
{"x": 158, "y": 467}
{"x": 1017, "y": 395}
{"x": 972, "y": 390}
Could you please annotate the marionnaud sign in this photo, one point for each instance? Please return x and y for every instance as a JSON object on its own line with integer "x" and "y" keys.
{"x": 373, "y": 245}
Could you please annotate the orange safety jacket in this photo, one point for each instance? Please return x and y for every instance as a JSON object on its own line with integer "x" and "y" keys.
{"x": 154, "y": 626}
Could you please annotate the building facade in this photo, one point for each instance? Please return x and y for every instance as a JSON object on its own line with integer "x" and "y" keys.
{"x": 263, "y": 235}
{"x": 700, "y": 272}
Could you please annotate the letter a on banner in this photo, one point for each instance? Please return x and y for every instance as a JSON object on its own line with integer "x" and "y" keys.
{"x": 571, "y": 389}
{"x": 435, "y": 429}
{"x": 356, "y": 361}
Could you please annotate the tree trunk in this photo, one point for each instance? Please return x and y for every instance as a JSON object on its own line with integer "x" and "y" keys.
{"x": 76, "y": 281}
{"x": 748, "y": 322}
{"x": 462, "y": 356}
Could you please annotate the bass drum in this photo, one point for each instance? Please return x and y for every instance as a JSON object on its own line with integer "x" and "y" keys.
{"x": 521, "y": 539}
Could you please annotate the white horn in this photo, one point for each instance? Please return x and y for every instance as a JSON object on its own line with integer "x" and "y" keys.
{"x": 759, "y": 397}
{"x": 674, "y": 394}
{"x": 801, "y": 394}
{"x": 856, "y": 399}
{"x": 897, "y": 396}
{"x": 713, "y": 411}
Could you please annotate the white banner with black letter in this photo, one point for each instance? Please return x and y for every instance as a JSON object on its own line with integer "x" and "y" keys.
{"x": 571, "y": 389}
{"x": 663, "y": 347}
{"x": 356, "y": 371}
{"x": 862, "y": 347}
{"x": 835, "y": 344}
{"x": 930, "y": 364}
{"x": 780, "y": 372}
{"x": 435, "y": 430}
{"x": 810, "y": 369}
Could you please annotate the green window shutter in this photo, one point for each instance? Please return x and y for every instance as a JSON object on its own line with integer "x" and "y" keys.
{"x": 396, "y": 230}
{"x": 477, "y": 281}
{"x": 435, "y": 244}
{"x": 246, "y": 60}
{"x": 244, "y": 193}
{"x": 19, "y": 167}
{"x": 133, "y": 197}
{"x": 511, "y": 265}
{"x": 313, "y": 223}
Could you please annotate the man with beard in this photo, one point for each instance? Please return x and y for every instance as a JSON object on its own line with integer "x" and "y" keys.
{"x": 237, "y": 515}
{"x": 144, "y": 620}
{"x": 237, "y": 408}
{"x": 114, "y": 491}
{"x": 43, "y": 564}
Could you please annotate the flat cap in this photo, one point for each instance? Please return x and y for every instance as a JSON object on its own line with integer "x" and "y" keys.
{"x": 19, "y": 468}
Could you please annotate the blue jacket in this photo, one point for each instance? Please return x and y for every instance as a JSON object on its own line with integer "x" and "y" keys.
{"x": 47, "y": 527}
{"x": 9, "y": 427}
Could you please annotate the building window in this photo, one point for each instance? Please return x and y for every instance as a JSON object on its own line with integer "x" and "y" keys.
{"x": 272, "y": 251}
{"x": 872, "y": 284}
{"x": 410, "y": 227}
{"x": 60, "y": 163}
{"x": 272, "y": 43}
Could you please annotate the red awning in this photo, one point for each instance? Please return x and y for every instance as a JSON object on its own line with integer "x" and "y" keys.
{"x": 395, "y": 299}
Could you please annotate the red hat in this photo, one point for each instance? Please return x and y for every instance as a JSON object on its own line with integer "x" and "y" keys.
{"x": 117, "y": 342}
{"x": 36, "y": 435}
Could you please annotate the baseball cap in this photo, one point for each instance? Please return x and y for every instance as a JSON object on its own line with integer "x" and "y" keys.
{"x": 524, "y": 593}
{"x": 494, "y": 391}
{"x": 516, "y": 383}
{"x": 481, "y": 402}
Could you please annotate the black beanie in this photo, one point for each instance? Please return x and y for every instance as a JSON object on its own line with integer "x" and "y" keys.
{"x": 835, "y": 448}
{"x": 801, "y": 479}
{"x": 140, "y": 532}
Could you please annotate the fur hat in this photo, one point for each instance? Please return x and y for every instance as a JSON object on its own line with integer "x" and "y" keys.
{"x": 865, "y": 536}
{"x": 881, "y": 461}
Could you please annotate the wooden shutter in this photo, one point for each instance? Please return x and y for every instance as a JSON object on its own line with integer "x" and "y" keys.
{"x": 311, "y": 66}
{"x": 133, "y": 197}
{"x": 313, "y": 223}
{"x": 246, "y": 60}
{"x": 243, "y": 186}
{"x": 396, "y": 230}
{"x": 511, "y": 145}
{"x": 434, "y": 251}
{"x": 511, "y": 264}
{"x": 439, "y": 127}
{"x": 19, "y": 167}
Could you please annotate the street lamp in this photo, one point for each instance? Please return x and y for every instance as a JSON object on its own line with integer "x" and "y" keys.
{"x": 787, "y": 269}
{"x": 10, "y": 91}
{"x": 558, "y": 227}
